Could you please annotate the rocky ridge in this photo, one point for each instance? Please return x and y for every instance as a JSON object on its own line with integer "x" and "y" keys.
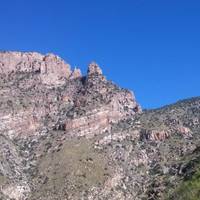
{"x": 69, "y": 136}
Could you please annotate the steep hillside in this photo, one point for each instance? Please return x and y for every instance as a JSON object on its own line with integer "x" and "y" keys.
{"x": 68, "y": 136}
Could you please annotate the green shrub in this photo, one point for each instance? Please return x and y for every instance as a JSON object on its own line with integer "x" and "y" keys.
{"x": 189, "y": 189}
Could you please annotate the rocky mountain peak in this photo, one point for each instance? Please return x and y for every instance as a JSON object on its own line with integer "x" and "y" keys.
{"x": 90, "y": 95}
{"x": 76, "y": 73}
{"x": 94, "y": 69}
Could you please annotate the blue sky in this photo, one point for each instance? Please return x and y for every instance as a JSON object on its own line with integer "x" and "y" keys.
{"x": 149, "y": 46}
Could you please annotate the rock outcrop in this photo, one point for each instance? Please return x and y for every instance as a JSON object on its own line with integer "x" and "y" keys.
{"x": 51, "y": 69}
{"x": 94, "y": 69}
{"x": 88, "y": 98}
{"x": 76, "y": 74}
{"x": 64, "y": 135}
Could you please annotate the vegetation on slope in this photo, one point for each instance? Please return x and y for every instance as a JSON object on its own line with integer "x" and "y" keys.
{"x": 189, "y": 189}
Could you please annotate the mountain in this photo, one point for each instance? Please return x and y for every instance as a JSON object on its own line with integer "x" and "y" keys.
{"x": 65, "y": 136}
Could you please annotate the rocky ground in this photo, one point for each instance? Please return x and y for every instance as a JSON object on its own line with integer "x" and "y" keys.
{"x": 65, "y": 136}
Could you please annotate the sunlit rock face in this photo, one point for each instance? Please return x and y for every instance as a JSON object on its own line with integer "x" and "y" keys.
{"x": 64, "y": 135}
{"x": 41, "y": 94}
{"x": 102, "y": 103}
{"x": 51, "y": 68}
{"x": 76, "y": 73}
{"x": 39, "y": 75}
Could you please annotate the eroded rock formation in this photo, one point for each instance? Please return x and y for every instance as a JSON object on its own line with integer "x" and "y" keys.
{"x": 51, "y": 68}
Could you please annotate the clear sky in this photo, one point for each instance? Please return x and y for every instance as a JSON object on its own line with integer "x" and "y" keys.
{"x": 149, "y": 46}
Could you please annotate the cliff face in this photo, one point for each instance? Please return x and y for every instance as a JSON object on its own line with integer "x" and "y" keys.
{"x": 36, "y": 87}
{"x": 51, "y": 68}
{"x": 68, "y": 136}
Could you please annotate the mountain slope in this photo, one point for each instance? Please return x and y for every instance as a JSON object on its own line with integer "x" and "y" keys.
{"x": 68, "y": 136}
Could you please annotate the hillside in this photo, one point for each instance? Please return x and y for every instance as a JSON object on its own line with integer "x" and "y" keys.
{"x": 69, "y": 136}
